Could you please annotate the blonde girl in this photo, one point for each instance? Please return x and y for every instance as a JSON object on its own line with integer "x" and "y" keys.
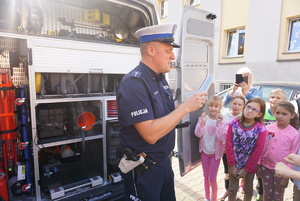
{"x": 211, "y": 129}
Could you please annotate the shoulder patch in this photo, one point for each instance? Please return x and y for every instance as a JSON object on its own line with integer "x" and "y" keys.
{"x": 136, "y": 74}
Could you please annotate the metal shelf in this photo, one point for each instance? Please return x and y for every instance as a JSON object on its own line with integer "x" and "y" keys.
{"x": 73, "y": 99}
{"x": 68, "y": 141}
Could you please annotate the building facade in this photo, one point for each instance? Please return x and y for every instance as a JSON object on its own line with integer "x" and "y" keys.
{"x": 264, "y": 36}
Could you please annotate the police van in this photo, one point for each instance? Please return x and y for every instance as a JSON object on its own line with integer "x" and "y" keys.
{"x": 61, "y": 62}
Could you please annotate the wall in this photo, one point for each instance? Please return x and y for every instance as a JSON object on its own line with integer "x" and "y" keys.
{"x": 266, "y": 31}
{"x": 266, "y": 24}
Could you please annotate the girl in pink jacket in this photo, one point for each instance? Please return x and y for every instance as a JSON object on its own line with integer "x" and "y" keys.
{"x": 282, "y": 140}
{"x": 211, "y": 129}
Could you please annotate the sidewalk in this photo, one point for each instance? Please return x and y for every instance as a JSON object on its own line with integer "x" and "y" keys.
{"x": 190, "y": 187}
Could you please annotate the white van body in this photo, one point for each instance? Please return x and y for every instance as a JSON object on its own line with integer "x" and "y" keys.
{"x": 69, "y": 56}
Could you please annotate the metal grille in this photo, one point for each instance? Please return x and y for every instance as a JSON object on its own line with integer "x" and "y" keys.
{"x": 19, "y": 77}
{"x": 224, "y": 86}
{"x": 6, "y": 46}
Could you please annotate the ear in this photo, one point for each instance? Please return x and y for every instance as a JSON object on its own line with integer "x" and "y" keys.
{"x": 150, "y": 50}
{"x": 259, "y": 114}
{"x": 293, "y": 116}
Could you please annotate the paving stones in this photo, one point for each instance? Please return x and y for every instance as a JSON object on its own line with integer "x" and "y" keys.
{"x": 191, "y": 188}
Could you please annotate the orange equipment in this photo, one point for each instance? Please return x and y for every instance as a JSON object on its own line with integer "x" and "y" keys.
{"x": 8, "y": 133}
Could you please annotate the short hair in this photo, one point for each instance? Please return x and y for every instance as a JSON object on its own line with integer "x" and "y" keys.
{"x": 245, "y": 70}
{"x": 143, "y": 47}
{"x": 278, "y": 91}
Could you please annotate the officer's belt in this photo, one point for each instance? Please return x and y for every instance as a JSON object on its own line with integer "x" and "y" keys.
{"x": 139, "y": 163}
{"x": 139, "y": 170}
{"x": 147, "y": 157}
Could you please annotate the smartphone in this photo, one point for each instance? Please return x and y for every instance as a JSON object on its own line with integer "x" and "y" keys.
{"x": 239, "y": 78}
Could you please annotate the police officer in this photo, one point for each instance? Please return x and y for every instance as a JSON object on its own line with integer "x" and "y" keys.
{"x": 148, "y": 116}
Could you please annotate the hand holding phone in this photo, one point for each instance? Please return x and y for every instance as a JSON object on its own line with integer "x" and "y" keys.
{"x": 239, "y": 79}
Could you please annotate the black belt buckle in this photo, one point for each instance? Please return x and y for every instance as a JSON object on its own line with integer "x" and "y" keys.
{"x": 139, "y": 170}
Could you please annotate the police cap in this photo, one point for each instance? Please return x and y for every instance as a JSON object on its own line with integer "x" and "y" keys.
{"x": 160, "y": 33}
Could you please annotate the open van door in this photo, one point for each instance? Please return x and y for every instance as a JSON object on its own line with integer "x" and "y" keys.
{"x": 194, "y": 73}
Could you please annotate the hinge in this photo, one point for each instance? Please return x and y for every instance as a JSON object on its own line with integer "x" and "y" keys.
{"x": 177, "y": 154}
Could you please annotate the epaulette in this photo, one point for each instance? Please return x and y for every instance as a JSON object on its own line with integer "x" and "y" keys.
{"x": 135, "y": 74}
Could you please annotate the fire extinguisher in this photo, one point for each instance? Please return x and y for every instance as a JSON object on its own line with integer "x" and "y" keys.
{"x": 3, "y": 187}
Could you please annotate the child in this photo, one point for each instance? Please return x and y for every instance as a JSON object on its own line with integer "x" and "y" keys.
{"x": 244, "y": 145}
{"x": 212, "y": 130}
{"x": 276, "y": 96}
{"x": 236, "y": 105}
{"x": 283, "y": 139}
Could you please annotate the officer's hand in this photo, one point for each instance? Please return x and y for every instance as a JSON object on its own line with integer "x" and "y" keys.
{"x": 196, "y": 101}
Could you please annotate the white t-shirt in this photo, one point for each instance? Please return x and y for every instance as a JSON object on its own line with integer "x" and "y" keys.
{"x": 209, "y": 139}
{"x": 228, "y": 116}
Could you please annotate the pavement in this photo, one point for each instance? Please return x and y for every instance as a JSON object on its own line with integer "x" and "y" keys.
{"x": 191, "y": 188}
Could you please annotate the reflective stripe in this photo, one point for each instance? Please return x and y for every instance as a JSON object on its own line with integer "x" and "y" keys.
{"x": 148, "y": 38}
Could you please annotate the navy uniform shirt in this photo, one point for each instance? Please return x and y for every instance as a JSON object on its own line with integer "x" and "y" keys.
{"x": 144, "y": 95}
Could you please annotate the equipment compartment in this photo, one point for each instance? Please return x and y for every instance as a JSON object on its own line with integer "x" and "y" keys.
{"x": 50, "y": 120}
{"x": 57, "y": 170}
{"x": 68, "y": 85}
{"x": 65, "y": 121}
{"x": 103, "y": 21}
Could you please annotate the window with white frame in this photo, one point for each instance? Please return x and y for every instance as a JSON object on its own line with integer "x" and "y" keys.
{"x": 164, "y": 8}
{"x": 194, "y": 2}
{"x": 294, "y": 35}
{"x": 235, "y": 42}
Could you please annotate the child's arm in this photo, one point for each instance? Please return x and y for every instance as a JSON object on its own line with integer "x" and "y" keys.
{"x": 294, "y": 148}
{"x": 228, "y": 147}
{"x": 282, "y": 170}
{"x": 242, "y": 173}
{"x": 221, "y": 130}
{"x": 233, "y": 171}
{"x": 293, "y": 159}
{"x": 256, "y": 153}
{"x": 258, "y": 172}
{"x": 199, "y": 129}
